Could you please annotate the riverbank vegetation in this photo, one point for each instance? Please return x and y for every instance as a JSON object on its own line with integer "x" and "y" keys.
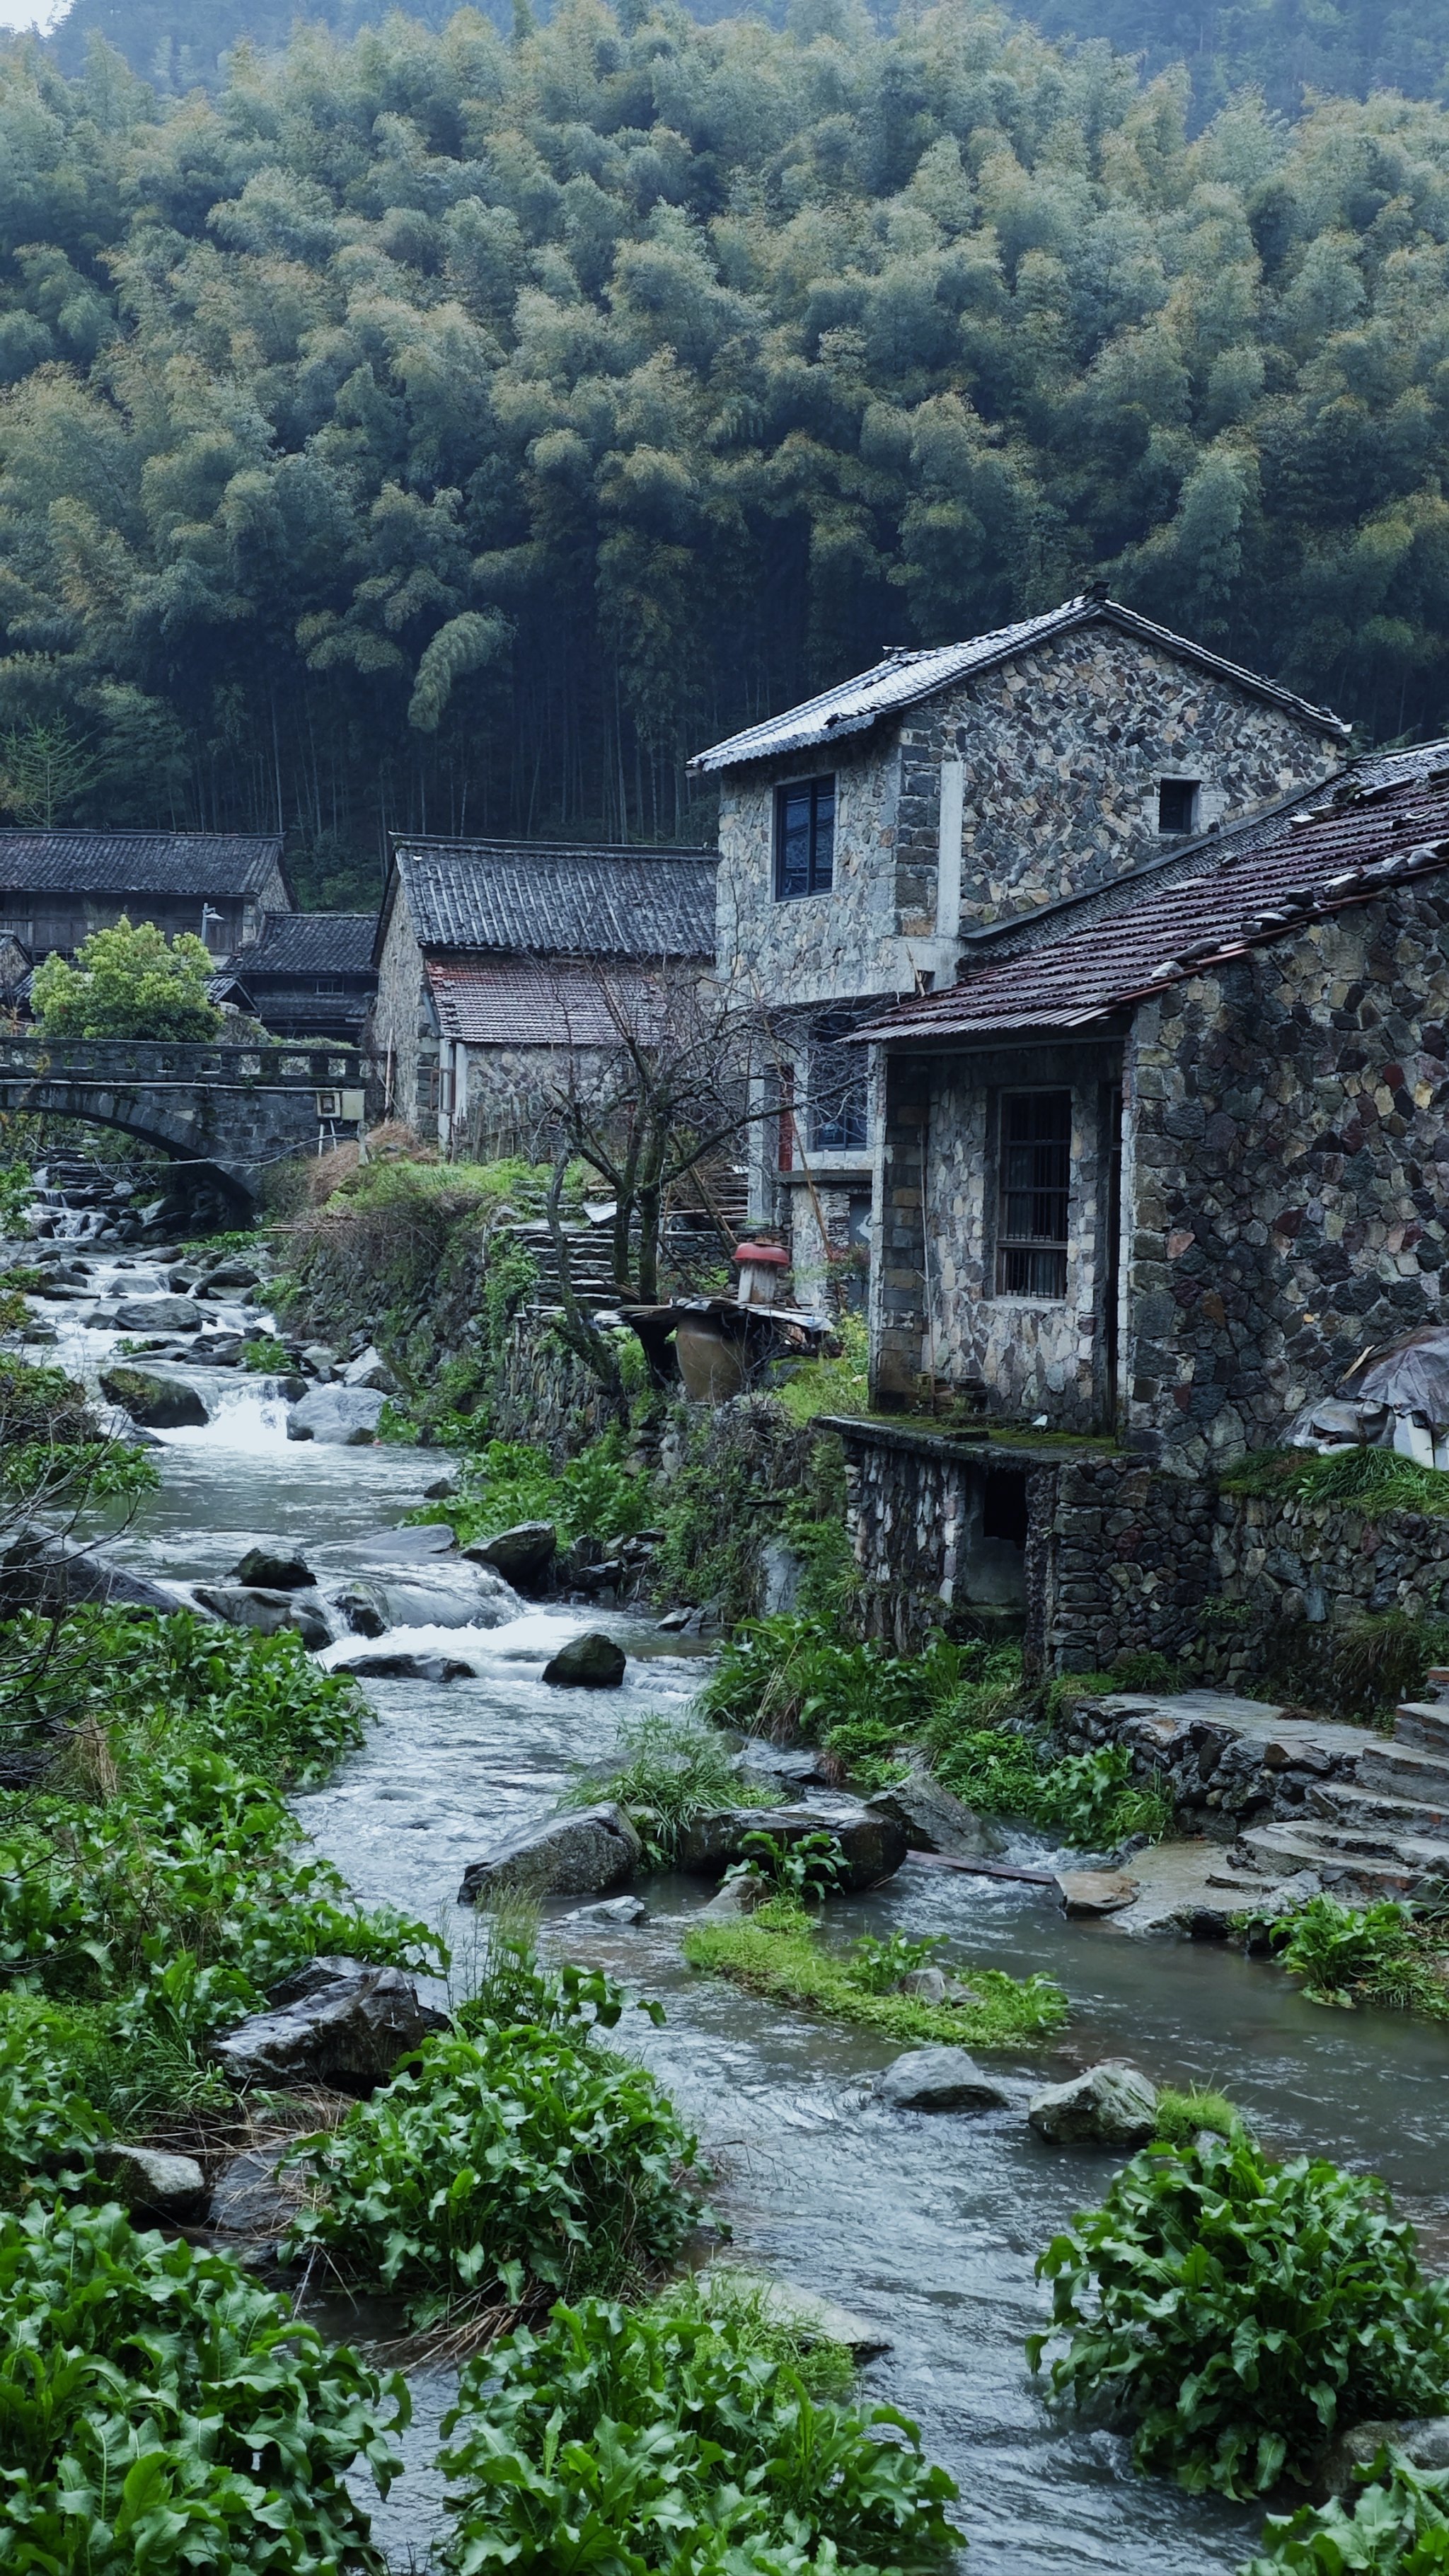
{"x": 1236, "y": 2312}
{"x": 1390, "y": 1955}
{"x": 780, "y": 1951}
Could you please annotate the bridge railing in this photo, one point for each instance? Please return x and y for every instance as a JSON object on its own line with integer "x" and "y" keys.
{"x": 149, "y": 1060}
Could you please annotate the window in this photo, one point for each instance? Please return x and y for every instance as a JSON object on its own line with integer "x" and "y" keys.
{"x": 1035, "y": 1182}
{"x": 837, "y": 1087}
{"x": 804, "y": 838}
{"x": 1176, "y": 804}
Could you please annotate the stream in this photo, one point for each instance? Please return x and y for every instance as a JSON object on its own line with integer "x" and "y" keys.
{"x": 925, "y": 2226}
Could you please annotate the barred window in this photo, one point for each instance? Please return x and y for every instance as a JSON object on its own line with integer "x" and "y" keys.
{"x": 1035, "y": 1186}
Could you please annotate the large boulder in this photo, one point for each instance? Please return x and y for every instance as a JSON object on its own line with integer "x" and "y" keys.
{"x": 248, "y": 1606}
{"x": 38, "y": 1572}
{"x": 345, "y": 1415}
{"x": 404, "y": 1665}
{"x": 277, "y": 1569}
{"x": 337, "y": 2021}
{"x": 939, "y": 2079}
{"x": 233, "y": 1272}
{"x": 1113, "y": 2103}
{"x": 370, "y": 1369}
{"x": 1425, "y": 2439}
{"x": 156, "y": 2184}
{"x": 157, "y": 1315}
{"x": 522, "y": 1555}
{"x": 160, "y": 1403}
{"x": 589, "y": 1662}
{"x": 874, "y": 1845}
{"x": 583, "y": 1854}
{"x": 934, "y": 1820}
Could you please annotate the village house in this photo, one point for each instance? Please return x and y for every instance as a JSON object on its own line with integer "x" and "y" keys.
{"x": 309, "y": 974}
{"x": 505, "y": 968}
{"x": 872, "y": 838}
{"x": 57, "y": 887}
{"x": 1166, "y": 1164}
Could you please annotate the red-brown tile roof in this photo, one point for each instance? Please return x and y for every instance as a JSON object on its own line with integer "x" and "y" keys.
{"x": 1331, "y": 852}
{"x": 519, "y": 1004}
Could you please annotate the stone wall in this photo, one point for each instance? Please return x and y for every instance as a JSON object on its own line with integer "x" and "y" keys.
{"x": 1286, "y": 1172}
{"x": 1240, "y": 1591}
{"x": 400, "y": 1017}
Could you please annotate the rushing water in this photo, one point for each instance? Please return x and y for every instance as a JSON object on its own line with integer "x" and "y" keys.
{"x": 927, "y": 2227}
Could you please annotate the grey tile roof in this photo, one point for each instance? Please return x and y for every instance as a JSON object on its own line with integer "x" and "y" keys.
{"x": 309, "y": 943}
{"x": 120, "y": 863}
{"x": 549, "y": 900}
{"x": 903, "y": 679}
{"x": 1338, "y": 847}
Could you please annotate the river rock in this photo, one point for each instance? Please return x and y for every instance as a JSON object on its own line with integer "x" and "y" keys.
{"x": 583, "y": 1854}
{"x": 159, "y": 1403}
{"x": 346, "y": 1415}
{"x": 38, "y": 1572}
{"x": 522, "y": 1555}
{"x": 926, "y": 1985}
{"x": 370, "y": 1369}
{"x": 155, "y": 2184}
{"x": 234, "y": 1272}
{"x": 934, "y": 1820}
{"x": 361, "y": 1613}
{"x": 939, "y": 2079}
{"x": 1113, "y": 2101}
{"x": 157, "y": 1315}
{"x": 590, "y": 1662}
{"x": 618, "y": 1912}
{"x": 1425, "y": 2438}
{"x": 405, "y": 1666}
{"x": 337, "y": 2021}
{"x": 276, "y": 1569}
{"x": 809, "y": 2316}
{"x": 249, "y": 1606}
{"x": 874, "y": 1845}
{"x": 1096, "y": 1891}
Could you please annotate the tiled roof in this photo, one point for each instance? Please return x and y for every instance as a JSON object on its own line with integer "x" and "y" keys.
{"x": 202, "y": 864}
{"x": 310, "y": 943}
{"x": 527, "y": 1004}
{"x": 1345, "y": 847}
{"x": 547, "y": 900}
{"x": 903, "y": 679}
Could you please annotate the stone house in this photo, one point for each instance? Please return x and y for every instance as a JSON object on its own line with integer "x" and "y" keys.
{"x": 502, "y": 965}
{"x": 309, "y": 974}
{"x": 1164, "y": 1163}
{"x": 870, "y": 839}
{"x": 57, "y": 887}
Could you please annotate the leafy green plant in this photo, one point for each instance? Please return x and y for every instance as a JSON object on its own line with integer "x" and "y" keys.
{"x": 496, "y": 2168}
{"x": 159, "y": 2410}
{"x": 264, "y": 1354}
{"x": 880, "y": 1965}
{"x": 803, "y": 1872}
{"x": 47, "y": 2125}
{"x": 670, "y": 2440}
{"x": 1372, "y": 1954}
{"x": 505, "y": 1482}
{"x": 508, "y": 1985}
{"x": 129, "y": 981}
{"x": 1236, "y": 2312}
{"x": 1372, "y": 1481}
{"x": 777, "y": 1952}
{"x": 1395, "y": 2523}
{"x": 1089, "y": 1799}
{"x": 762, "y": 2321}
{"x": 667, "y": 1771}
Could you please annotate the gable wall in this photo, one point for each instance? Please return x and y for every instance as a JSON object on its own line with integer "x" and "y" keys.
{"x": 1287, "y": 1164}
{"x": 399, "y": 1012}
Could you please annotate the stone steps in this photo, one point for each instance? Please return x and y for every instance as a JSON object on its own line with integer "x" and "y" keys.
{"x": 1279, "y": 1850}
{"x": 1424, "y": 1724}
{"x": 1397, "y": 1770}
{"x": 1358, "y": 1808}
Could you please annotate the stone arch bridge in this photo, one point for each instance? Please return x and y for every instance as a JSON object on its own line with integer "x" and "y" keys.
{"x": 226, "y": 1111}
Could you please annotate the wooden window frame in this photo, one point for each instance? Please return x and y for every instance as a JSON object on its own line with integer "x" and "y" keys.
{"x": 1034, "y": 1194}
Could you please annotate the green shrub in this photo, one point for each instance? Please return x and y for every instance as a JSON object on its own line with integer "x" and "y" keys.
{"x": 159, "y": 2411}
{"x": 1371, "y": 1481}
{"x": 761, "y": 2321}
{"x": 662, "y": 2440}
{"x": 597, "y": 1495}
{"x": 500, "y": 2167}
{"x": 1372, "y": 1954}
{"x": 1238, "y": 2312}
{"x": 1381, "y": 1659}
{"x": 1396, "y": 2523}
{"x": 1088, "y": 1799}
{"x": 667, "y": 1771}
{"x": 776, "y": 1952}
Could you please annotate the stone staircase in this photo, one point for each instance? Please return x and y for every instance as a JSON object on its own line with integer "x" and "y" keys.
{"x": 1384, "y": 1831}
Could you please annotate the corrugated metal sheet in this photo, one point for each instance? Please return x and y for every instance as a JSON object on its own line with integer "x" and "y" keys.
{"x": 904, "y": 679}
{"x": 310, "y": 943}
{"x": 546, "y": 900}
{"x": 1333, "y": 851}
{"x": 535, "y": 1005}
{"x": 118, "y": 863}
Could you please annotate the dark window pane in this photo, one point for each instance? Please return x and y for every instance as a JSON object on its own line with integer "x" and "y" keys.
{"x": 1176, "y": 798}
{"x": 822, "y": 850}
{"x": 804, "y": 838}
{"x": 1035, "y": 1192}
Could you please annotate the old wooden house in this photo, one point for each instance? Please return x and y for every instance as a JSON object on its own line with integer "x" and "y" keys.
{"x": 57, "y": 887}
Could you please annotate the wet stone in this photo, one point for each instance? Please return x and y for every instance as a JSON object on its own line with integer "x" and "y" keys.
{"x": 1113, "y": 2102}
{"x": 522, "y": 1555}
{"x": 583, "y": 1854}
{"x": 337, "y": 2021}
{"x": 157, "y": 1403}
{"x": 275, "y": 1569}
{"x": 404, "y": 1666}
{"x": 939, "y": 2079}
{"x": 249, "y": 1606}
{"x": 155, "y": 2184}
{"x": 345, "y": 1415}
{"x": 592, "y": 1661}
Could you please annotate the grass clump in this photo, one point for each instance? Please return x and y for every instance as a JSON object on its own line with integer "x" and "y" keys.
{"x": 157, "y": 2409}
{"x": 757, "y": 2318}
{"x": 1181, "y": 2117}
{"x": 717, "y": 2457}
{"x": 1348, "y": 1955}
{"x": 777, "y": 1952}
{"x": 1372, "y": 1481}
{"x": 837, "y": 1385}
{"x": 666, "y": 1771}
{"x": 1397, "y": 2524}
{"x": 1237, "y": 2312}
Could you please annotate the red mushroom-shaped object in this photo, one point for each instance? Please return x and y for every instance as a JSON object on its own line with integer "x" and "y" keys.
{"x": 762, "y": 1268}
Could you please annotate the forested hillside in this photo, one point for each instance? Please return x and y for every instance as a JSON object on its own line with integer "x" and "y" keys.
{"x": 439, "y": 430}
